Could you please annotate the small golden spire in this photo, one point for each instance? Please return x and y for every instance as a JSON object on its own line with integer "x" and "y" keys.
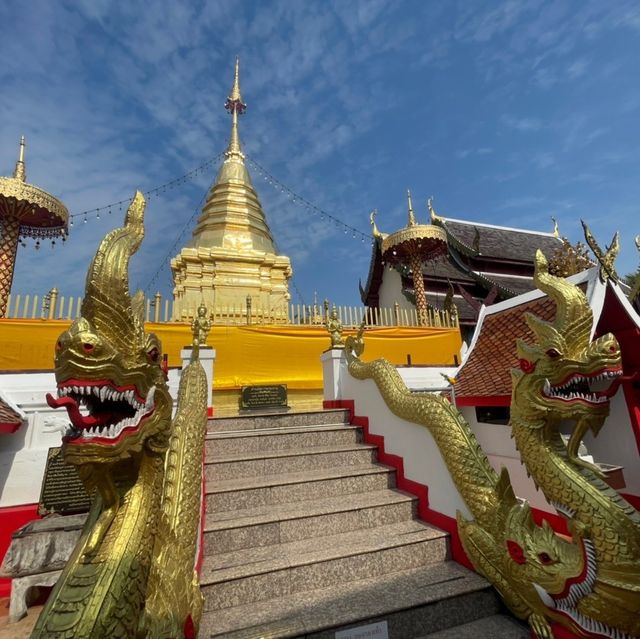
{"x": 556, "y": 229}
{"x": 235, "y": 95}
{"x": 20, "y": 172}
{"x": 412, "y": 217}
{"x": 235, "y": 106}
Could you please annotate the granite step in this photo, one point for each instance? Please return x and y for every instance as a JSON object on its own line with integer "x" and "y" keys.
{"x": 265, "y": 490}
{"x": 254, "y": 574}
{"x": 279, "y": 420}
{"x": 413, "y": 603}
{"x": 227, "y": 443}
{"x": 493, "y": 627}
{"x": 287, "y": 461}
{"x": 282, "y": 523}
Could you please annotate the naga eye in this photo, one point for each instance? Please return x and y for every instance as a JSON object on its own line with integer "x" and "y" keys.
{"x": 545, "y": 558}
{"x": 612, "y": 349}
{"x": 553, "y": 353}
{"x": 88, "y": 347}
{"x": 58, "y": 345}
{"x": 153, "y": 354}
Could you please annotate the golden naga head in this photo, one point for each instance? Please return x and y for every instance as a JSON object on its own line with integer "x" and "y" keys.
{"x": 564, "y": 375}
{"x": 562, "y": 572}
{"x": 108, "y": 370}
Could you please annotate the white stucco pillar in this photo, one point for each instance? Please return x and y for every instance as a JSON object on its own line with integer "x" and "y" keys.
{"x": 207, "y": 359}
{"x": 334, "y": 369}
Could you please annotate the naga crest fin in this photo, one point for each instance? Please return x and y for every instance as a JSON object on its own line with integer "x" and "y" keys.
{"x": 107, "y": 304}
{"x": 573, "y": 313}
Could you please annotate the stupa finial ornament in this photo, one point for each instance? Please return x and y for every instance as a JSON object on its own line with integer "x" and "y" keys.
{"x": 556, "y": 228}
{"x": 236, "y": 107}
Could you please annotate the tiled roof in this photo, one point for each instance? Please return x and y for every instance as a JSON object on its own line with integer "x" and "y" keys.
{"x": 10, "y": 420}
{"x": 503, "y": 243}
{"x": 487, "y": 372}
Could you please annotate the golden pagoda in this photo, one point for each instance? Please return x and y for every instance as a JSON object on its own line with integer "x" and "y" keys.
{"x": 230, "y": 264}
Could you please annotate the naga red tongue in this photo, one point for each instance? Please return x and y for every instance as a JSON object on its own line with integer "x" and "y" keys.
{"x": 77, "y": 418}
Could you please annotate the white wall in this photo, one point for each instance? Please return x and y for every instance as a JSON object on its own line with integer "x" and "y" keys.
{"x": 422, "y": 459}
{"x": 390, "y": 291}
{"x": 423, "y": 462}
{"x": 23, "y": 454}
{"x": 499, "y": 447}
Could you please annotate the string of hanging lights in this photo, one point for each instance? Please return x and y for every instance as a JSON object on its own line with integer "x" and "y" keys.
{"x": 85, "y": 216}
{"x": 298, "y": 199}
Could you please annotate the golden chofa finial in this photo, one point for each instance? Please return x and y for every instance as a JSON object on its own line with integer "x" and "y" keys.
{"x": 412, "y": 217}
{"x": 374, "y": 228}
{"x": 20, "y": 171}
{"x": 556, "y": 229}
{"x": 432, "y": 212}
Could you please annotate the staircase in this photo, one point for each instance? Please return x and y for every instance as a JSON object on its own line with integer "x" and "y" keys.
{"x": 305, "y": 536}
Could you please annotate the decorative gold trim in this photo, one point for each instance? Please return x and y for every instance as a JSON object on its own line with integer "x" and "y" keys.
{"x": 418, "y": 232}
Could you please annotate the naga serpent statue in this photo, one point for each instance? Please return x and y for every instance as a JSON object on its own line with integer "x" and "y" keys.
{"x": 132, "y": 573}
{"x": 588, "y": 585}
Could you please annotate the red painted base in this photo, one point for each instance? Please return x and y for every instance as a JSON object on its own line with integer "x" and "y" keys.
{"x": 445, "y": 522}
{"x": 11, "y": 518}
{"x": 210, "y": 411}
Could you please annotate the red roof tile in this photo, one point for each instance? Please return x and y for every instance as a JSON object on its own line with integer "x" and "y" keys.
{"x": 10, "y": 421}
{"x": 487, "y": 372}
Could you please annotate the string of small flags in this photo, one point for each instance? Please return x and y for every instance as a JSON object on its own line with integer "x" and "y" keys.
{"x": 298, "y": 199}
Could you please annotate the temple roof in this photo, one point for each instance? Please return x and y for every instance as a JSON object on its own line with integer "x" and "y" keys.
{"x": 499, "y": 242}
{"x": 483, "y": 261}
{"x": 232, "y": 216}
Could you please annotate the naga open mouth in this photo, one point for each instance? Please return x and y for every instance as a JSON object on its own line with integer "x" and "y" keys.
{"x": 594, "y": 389}
{"x": 101, "y": 412}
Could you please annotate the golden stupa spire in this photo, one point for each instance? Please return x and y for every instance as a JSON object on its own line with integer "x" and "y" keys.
{"x": 20, "y": 172}
{"x": 236, "y": 107}
{"x": 412, "y": 217}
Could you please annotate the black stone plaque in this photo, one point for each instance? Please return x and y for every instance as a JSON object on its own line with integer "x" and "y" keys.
{"x": 257, "y": 397}
{"x": 62, "y": 491}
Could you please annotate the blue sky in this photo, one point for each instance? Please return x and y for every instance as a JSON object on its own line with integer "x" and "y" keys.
{"x": 507, "y": 113}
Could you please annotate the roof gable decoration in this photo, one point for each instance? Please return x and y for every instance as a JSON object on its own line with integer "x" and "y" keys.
{"x": 11, "y": 415}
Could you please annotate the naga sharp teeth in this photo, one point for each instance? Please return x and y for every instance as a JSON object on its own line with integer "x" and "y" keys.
{"x": 547, "y": 386}
{"x": 150, "y": 395}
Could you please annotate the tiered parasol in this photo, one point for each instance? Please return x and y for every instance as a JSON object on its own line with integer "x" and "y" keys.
{"x": 25, "y": 211}
{"x": 412, "y": 246}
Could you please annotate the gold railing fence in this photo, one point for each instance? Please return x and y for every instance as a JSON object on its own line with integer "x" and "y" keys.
{"x": 52, "y": 305}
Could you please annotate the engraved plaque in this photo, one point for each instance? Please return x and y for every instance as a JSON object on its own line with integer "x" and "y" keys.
{"x": 62, "y": 491}
{"x": 256, "y": 397}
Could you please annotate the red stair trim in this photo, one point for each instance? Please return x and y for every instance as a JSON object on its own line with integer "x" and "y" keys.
{"x": 421, "y": 491}
{"x": 12, "y": 518}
